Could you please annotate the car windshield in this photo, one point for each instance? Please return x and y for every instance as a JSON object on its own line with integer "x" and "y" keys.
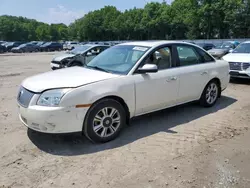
{"x": 226, "y": 45}
{"x": 242, "y": 48}
{"x": 79, "y": 49}
{"x": 22, "y": 45}
{"x": 118, "y": 59}
{"x": 48, "y": 43}
{"x": 39, "y": 43}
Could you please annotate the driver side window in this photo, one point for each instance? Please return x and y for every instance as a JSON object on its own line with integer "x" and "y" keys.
{"x": 161, "y": 58}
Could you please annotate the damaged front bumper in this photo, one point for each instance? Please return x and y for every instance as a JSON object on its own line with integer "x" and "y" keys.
{"x": 53, "y": 119}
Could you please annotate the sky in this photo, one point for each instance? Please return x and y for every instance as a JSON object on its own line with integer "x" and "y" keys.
{"x": 62, "y": 11}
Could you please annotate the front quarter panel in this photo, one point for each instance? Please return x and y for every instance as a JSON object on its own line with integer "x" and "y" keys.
{"x": 122, "y": 87}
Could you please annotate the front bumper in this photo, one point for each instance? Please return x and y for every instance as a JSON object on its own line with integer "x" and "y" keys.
{"x": 55, "y": 66}
{"x": 240, "y": 74}
{"x": 53, "y": 119}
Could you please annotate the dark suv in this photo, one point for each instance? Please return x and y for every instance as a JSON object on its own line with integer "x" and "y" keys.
{"x": 11, "y": 45}
{"x": 51, "y": 46}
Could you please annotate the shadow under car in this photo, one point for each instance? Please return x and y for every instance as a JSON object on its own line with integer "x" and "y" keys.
{"x": 140, "y": 127}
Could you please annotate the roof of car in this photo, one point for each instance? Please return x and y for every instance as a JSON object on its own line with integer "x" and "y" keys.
{"x": 152, "y": 43}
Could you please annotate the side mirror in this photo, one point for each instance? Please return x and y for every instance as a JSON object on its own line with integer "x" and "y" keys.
{"x": 147, "y": 68}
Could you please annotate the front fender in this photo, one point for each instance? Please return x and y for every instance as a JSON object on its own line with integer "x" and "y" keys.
{"x": 89, "y": 94}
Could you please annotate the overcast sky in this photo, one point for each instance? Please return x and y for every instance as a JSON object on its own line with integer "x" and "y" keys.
{"x": 62, "y": 11}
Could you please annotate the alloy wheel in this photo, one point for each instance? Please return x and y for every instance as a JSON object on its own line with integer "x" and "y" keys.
{"x": 211, "y": 93}
{"x": 106, "y": 122}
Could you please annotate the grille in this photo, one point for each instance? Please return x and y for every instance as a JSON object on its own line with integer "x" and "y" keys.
{"x": 245, "y": 66}
{"x": 24, "y": 97}
{"x": 235, "y": 66}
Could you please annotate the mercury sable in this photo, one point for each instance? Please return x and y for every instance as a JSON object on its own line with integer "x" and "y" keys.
{"x": 124, "y": 81}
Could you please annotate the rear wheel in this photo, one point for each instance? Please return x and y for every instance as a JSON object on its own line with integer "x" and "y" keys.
{"x": 210, "y": 94}
{"x": 104, "y": 121}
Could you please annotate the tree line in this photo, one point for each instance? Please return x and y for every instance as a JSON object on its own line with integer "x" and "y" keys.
{"x": 183, "y": 19}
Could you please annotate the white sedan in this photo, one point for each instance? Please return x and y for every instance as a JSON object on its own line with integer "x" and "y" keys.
{"x": 239, "y": 61}
{"x": 123, "y": 82}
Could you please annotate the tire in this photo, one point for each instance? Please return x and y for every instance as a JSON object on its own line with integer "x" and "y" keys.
{"x": 210, "y": 94}
{"x": 106, "y": 128}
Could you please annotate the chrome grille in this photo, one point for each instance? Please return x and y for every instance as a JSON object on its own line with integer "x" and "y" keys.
{"x": 245, "y": 66}
{"x": 24, "y": 97}
{"x": 235, "y": 66}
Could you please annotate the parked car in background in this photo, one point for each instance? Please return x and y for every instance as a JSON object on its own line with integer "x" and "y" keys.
{"x": 39, "y": 44}
{"x": 11, "y": 45}
{"x": 206, "y": 46}
{"x": 70, "y": 45}
{"x": 2, "y": 42}
{"x": 239, "y": 61}
{"x": 28, "y": 47}
{"x": 123, "y": 82}
{"x": 51, "y": 46}
{"x": 2, "y": 48}
{"x": 77, "y": 57}
{"x": 223, "y": 49}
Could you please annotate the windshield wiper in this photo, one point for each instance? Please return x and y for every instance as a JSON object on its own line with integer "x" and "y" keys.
{"x": 98, "y": 68}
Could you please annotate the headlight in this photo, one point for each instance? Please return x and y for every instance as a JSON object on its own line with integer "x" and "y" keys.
{"x": 51, "y": 97}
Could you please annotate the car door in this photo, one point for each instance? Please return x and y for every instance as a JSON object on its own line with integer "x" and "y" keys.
{"x": 158, "y": 90}
{"x": 194, "y": 72}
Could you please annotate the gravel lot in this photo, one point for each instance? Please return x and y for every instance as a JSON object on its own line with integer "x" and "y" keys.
{"x": 182, "y": 147}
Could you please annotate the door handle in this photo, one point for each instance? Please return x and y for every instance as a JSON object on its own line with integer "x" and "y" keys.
{"x": 173, "y": 78}
{"x": 205, "y": 72}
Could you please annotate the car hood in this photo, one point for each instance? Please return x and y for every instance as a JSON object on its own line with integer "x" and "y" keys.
{"x": 65, "y": 78}
{"x": 217, "y": 51}
{"x": 237, "y": 57}
{"x": 63, "y": 56}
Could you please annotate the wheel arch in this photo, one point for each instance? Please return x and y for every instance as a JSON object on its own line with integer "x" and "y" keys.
{"x": 121, "y": 101}
{"x": 216, "y": 79}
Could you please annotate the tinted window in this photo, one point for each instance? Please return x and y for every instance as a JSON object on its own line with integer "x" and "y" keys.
{"x": 187, "y": 56}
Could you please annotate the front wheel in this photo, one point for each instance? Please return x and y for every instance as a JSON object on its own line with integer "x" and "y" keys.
{"x": 104, "y": 121}
{"x": 210, "y": 94}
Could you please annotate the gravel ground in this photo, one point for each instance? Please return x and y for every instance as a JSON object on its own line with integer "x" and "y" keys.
{"x": 181, "y": 147}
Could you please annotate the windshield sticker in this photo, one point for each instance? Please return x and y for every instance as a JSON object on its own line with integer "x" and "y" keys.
{"x": 143, "y": 49}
